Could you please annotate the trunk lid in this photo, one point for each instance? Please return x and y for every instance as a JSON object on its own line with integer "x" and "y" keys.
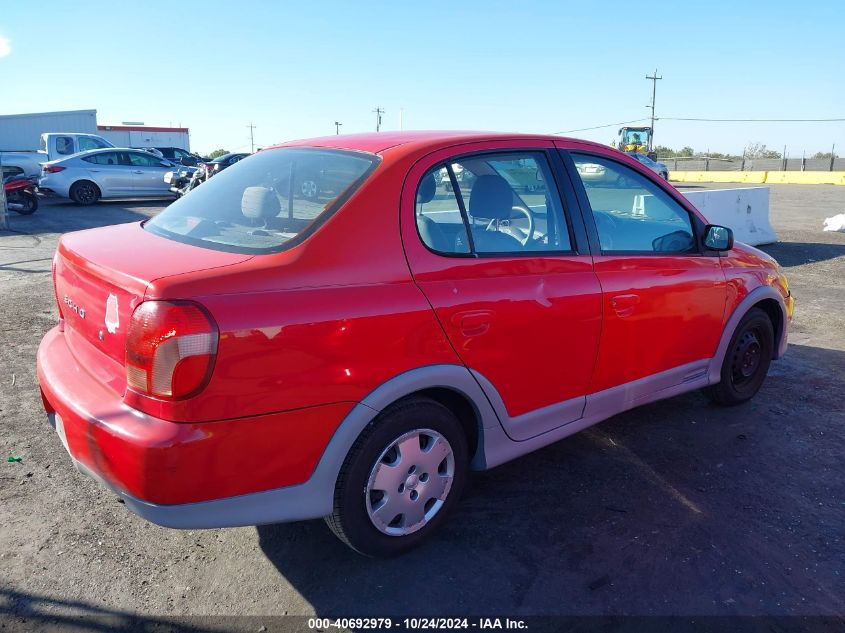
{"x": 102, "y": 275}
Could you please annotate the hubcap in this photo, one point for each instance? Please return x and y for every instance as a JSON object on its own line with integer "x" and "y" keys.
{"x": 86, "y": 193}
{"x": 410, "y": 482}
{"x": 746, "y": 358}
{"x": 309, "y": 188}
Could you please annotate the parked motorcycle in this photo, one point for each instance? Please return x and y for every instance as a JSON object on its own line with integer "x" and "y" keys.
{"x": 20, "y": 194}
{"x": 182, "y": 180}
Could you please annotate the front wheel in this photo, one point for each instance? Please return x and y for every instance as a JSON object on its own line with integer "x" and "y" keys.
{"x": 746, "y": 361}
{"x": 401, "y": 478}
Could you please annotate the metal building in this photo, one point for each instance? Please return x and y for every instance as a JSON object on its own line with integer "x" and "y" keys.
{"x": 22, "y": 132}
{"x": 145, "y": 136}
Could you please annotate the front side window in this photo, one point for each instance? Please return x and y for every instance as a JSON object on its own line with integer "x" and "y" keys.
{"x": 509, "y": 202}
{"x": 260, "y": 204}
{"x": 138, "y": 159}
{"x": 633, "y": 214}
{"x": 86, "y": 143}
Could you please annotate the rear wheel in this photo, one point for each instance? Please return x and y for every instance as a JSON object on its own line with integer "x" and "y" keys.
{"x": 401, "y": 478}
{"x": 746, "y": 361}
{"x": 25, "y": 203}
{"x": 84, "y": 192}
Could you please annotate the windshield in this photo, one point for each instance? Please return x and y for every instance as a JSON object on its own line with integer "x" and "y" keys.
{"x": 265, "y": 202}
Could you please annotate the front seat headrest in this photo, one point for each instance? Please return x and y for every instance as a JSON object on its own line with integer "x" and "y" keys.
{"x": 427, "y": 189}
{"x": 260, "y": 203}
{"x": 491, "y": 197}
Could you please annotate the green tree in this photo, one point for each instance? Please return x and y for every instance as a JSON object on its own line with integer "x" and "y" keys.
{"x": 825, "y": 155}
{"x": 218, "y": 152}
{"x": 759, "y": 150}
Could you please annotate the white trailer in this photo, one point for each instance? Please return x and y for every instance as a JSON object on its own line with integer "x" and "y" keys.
{"x": 22, "y": 132}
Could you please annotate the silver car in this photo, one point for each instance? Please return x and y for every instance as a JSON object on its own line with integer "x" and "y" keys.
{"x": 658, "y": 168}
{"x": 107, "y": 173}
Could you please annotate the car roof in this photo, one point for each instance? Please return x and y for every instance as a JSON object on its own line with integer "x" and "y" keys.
{"x": 376, "y": 142}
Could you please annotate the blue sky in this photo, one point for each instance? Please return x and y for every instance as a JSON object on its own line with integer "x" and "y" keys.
{"x": 293, "y": 68}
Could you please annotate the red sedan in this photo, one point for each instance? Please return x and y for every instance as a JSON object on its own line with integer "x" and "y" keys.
{"x": 439, "y": 302}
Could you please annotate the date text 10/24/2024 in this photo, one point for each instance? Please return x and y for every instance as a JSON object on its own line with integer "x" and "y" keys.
{"x": 430, "y": 624}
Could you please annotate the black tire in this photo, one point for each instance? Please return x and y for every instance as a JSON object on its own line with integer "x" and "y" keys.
{"x": 350, "y": 520}
{"x": 746, "y": 361}
{"x": 27, "y": 203}
{"x": 84, "y": 192}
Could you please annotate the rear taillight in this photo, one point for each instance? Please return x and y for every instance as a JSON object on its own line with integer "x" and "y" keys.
{"x": 170, "y": 349}
{"x": 56, "y": 294}
{"x": 53, "y": 169}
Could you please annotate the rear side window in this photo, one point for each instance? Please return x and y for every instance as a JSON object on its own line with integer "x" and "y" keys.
{"x": 438, "y": 213}
{"x": 103, "y": 158}
{"x": 266, "y": 203}
{"x": 493, "y": 204}
{"x": 64, "y": 145}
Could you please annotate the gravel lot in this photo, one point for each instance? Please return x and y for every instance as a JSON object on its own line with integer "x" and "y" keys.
{"x": 675, "y": 508}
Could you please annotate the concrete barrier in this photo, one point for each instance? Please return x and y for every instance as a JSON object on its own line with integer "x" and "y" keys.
{"x": 761, "y": 177}
{"x": 806, "y": 177}
{"x": 745, "y": 210}
{"x": 751, "y": 177}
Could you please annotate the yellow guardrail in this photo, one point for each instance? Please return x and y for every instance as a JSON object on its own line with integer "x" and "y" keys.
{"x": 761, "y": 177}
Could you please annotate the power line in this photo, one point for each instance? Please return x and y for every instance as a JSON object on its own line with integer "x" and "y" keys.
{"x": 598, "y": 127}
{"x": 670, "y": 118}
{"x": 706, "y": 120}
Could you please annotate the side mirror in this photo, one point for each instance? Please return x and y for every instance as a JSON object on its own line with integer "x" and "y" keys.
{"x": 718, "y": 238}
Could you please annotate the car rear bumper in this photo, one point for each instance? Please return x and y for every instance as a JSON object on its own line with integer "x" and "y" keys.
{"x": 246, "y": 471}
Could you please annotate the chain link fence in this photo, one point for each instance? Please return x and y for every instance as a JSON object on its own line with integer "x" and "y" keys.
{"x": 701, "y": 163}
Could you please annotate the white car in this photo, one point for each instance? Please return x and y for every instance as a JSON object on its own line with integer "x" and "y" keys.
{"x": 107, "y": 173}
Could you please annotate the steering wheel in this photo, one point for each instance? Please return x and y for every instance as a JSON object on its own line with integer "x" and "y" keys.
{"x": 506, "y": 227}
{"x": 606, "y": 227}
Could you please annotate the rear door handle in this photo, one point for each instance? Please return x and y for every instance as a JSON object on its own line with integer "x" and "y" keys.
{"x": 137, "y": 171}
{"x": 624, "y": 305}
{"x": 473, "y": 322}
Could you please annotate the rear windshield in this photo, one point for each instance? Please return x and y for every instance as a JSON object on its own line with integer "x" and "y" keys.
{"x": 265, "y": 202}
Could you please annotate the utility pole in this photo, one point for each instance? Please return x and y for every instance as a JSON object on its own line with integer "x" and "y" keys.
{"x": 251, "y": 137}
{"x": 378, "y": 112}
{"x": 654, "y": 79}
{"x": 337, "y": 125}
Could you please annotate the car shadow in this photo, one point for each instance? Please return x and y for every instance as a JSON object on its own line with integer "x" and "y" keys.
{"x": 678, "y": 507}
{"x": 20, "y": 610}
{"x": 791, "y": 254}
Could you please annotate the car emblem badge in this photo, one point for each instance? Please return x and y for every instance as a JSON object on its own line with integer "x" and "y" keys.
{"x": 112, "y": 316}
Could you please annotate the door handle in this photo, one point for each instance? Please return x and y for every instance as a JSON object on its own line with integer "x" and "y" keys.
{"x": 137, "y": 171}
{"x": 624, "y": 305}
{"x": 473, "y": 322}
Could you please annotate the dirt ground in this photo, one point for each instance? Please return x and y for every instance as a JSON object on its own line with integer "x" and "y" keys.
{"x": 676, "y": 508}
